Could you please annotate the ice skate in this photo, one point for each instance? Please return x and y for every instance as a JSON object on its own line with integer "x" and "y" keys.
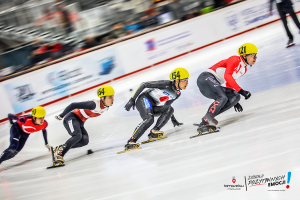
{"x": 130, "y": 146}
{"x": 290, "y": 43}
{"x": 57, "y": 159}
{"x": 205, "y": 128}
{"x": 155, "y": 135}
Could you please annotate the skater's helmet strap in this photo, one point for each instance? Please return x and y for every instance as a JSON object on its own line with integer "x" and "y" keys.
{"x": 38, "y": 112}
{"x": 247, "y": 48}
{"x": 179, "y": 73}
{"x": 105, "y": 90}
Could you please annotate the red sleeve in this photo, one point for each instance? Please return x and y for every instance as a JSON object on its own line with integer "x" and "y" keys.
{"x": 231, "y": 64}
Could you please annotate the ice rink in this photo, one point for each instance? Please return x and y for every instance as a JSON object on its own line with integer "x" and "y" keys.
{"x": 263, "y": 140}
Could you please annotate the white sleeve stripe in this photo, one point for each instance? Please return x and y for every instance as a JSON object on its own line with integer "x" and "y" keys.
{"x": 83, "y": 113}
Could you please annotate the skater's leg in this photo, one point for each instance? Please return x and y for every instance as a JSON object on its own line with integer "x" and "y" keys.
{"x": 144, "y": 106}
{"x": 233, "y": 98}
{"x": 212, "y": 89}
{"x": 72, "y": 125}
{"x": 294, "y": 16}
{"x": 84, "y": 140}
{"x": 166, "y": 113}
{"x": 17, "y": 141}
{"x": 282, "y": 15}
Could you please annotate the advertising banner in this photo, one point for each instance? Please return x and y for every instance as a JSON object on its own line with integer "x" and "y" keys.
{"x": 77, "y": 74}
{"x": 66, "y": 78}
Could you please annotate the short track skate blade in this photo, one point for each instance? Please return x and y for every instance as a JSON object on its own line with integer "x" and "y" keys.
{"x": 199, "y": 125}
{"x": 152, "y": 140}
{"x": 56, "y": 166}
{"x": 290, "y": 45}
{"x": 204, "y": 134}
{"x": 128, "y": 150}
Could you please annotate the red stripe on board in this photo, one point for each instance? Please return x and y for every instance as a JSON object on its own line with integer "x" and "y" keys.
{"x": 142, "y": 69}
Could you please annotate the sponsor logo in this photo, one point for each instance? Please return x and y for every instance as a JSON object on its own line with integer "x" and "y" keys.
{"x": 234, "y": 186}
{"x": 107, "y": 65}
{"x": 147, "y": 103}
{"x": 233, "y": 179}
{"x": 56, "y": 78}
{"x": 150, "y": 44}
{"x": 167, "y": 94}
{"x": 24, "y": 93}
{"x": 232, "y": 21}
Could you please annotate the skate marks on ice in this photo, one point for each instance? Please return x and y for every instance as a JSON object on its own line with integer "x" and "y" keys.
{"x": 42, "y": 157}
{"x": 95, "y": 151}
{"x": 233, "y": 120}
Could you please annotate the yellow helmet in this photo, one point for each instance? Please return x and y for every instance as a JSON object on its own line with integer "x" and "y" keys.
{"x": 105, "y": 90}
{"x": 179, "y": 73}
{"x": 247, "y": 48}
{"x": 38, "y": 112}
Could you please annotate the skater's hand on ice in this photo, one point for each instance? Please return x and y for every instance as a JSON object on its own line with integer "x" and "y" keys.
{"x": 131, "y": 103}
{"x": 48, "y": 146}
{"x": 58, "y": 117}
{"x": 238, "y": 108}
{"x": 246, "y": 94}
{"x": 176, "y": 123}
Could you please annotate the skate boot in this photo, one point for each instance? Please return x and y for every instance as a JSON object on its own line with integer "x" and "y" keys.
{"x": 290, "y": 43}
{"x": 131, "y": 145}
{"x": 206, "y": 127}
{"x": 57, "y": 158}
{"x": 215, "y": 122}
{"x": 155, "y": 135}
{"x": 57, "y": 155}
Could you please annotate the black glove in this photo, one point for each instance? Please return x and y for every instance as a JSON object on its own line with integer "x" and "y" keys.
{"x": 175, "y": 122}
{"x": 238, "y": 108}
{"x": 131, "y": 103}
{"x": 246, "y": 94}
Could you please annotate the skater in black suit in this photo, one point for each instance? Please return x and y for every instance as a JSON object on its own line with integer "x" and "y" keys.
{"x": 285, "y": 7}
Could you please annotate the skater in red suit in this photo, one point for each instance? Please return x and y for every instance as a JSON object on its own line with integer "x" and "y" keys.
{"x": 22, "y": 128}
{"x": 225, "y": 71}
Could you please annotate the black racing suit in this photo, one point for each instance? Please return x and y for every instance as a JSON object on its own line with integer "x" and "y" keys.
{"x": 156, "y": 101}
{"x": 211, "y": 88}
{"x": 75, "y": 126}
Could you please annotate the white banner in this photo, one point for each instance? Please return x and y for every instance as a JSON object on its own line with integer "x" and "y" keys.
{"x": 63, "y": 79}
{"x": 60, "y": 80}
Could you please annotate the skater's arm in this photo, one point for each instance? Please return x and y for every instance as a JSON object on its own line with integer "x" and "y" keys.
{"x": 231, "y": 64}
{"x": 45, "y": 133}
{"x": 12, "y": 117}
{"x": 151, "y": 84}
{"x": 45, "y": 136}
{"x": 91, "y": 105}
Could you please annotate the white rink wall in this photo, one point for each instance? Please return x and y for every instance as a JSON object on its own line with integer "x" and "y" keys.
{"x": 61, "y": 80}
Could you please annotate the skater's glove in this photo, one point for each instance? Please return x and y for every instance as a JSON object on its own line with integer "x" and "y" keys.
{"x": 246, "y": 94}
{"x": 131, "y": 103}
{"x": 48, "y": 146}
{"x": 58, "y": 117}
{"x": 176, "y": 123}
{"x": 238, "y": 108}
